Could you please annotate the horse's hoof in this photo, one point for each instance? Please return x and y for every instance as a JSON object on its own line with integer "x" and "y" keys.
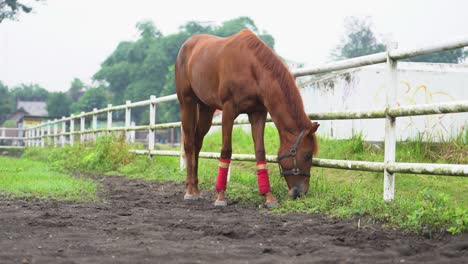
{"x": 191, "y": 197}
{"x": 218, "y": 203}
{"x": 271, "y": 205}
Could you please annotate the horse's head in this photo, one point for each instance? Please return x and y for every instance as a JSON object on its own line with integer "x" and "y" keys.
{"x": 295, "y": 161}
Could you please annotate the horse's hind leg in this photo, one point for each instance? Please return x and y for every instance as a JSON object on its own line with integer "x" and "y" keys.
{"x": 188, "y": 107}
{"x": 196, "y": 120}
{"x": 205, "y": 118}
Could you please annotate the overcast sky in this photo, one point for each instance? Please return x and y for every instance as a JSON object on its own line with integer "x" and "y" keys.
{"x": 64, "y": 39}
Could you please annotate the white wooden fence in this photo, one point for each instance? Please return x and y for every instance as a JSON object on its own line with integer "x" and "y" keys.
{"x": 13, "y": 136}
{"x": 37, "y": 136}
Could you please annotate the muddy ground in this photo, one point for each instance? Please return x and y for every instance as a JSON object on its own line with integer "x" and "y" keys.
{"x": 138, "y": 221}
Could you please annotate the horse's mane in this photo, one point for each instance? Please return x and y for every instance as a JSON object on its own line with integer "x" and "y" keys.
{"x": 279, "y": 72}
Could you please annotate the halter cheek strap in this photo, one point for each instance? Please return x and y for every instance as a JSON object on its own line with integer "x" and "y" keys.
{"x": 292, "y": 153}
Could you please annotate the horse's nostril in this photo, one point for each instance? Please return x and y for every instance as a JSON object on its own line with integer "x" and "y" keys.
{"x": 294, "y": 193}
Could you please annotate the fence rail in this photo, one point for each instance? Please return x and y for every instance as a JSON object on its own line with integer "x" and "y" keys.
{"x": 17, "y": 140}
{"x": 36, "y": 136}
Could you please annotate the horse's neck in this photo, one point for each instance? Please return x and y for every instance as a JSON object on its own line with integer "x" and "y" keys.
{"x": 288, "y": 126}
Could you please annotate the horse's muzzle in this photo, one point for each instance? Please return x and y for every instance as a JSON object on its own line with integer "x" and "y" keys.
{"x": 296, "y": 192}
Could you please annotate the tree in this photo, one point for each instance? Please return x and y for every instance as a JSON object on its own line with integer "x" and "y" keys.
{"x": 235, "y": 25}
{"x": 449, "y": 56}
{"x": 9, "y": 9}
{"x": 359, "y": 40}
{"x": 92, "y": 98}
{"x": 168, "y": 112}
{"x": 6, "y": 102}
{"x": 30, "y": 92}
{"x": 148, "y": 29}
{"x": 58, "y": 104}
{"x": 76, "y": 88}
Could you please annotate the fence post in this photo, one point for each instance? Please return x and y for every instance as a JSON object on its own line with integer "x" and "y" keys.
{"x": 38, "y": 131}
{"x": 128, "y": 119}
{"x": 132, "y": 133}
{"x": 3, "y": 132}
{"x": 38, "y": 136}
{"x": 94, "y": 125}
{"x": 152, "y": 122}
{"x": 390, "y": 136}
{"x": 33, "y": 139}
{"x": 64, "y": 130}
{"x": 109, "y": 118}
{"x": 20, "y": 134}
{"x": 82, "y": 127}
{"x": 72, "y": 129}
{"x": 55, "y": 132}
{"x": 33, "y": 142}
{"x": 43, "y": 134}
{"x": 48, "y": 132}
{"x": 28, "y": 136}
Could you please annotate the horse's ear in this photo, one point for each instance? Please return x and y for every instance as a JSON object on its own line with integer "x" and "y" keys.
{"x": 314, "y": 127}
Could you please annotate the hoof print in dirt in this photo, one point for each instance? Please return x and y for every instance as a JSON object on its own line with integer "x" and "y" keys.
{"x": 191, "y": 197}
{"x": 220, "y": 203}
{"x": 271, "y": 205}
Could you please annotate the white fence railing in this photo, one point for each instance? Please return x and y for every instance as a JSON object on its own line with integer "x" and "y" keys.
{"x": 37, "y": 136}
{"x": 11, "y": 138}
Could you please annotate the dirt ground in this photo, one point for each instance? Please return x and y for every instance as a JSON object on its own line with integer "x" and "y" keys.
{"x": 146, "y": 222}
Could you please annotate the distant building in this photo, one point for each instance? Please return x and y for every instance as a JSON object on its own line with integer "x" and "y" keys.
{"x": 29, "y": 113}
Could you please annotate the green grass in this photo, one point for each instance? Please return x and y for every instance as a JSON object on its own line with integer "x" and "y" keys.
{"x": 27, "y": 178}
{"x": 423, "y": 203}
{"x": 12, "y": 151}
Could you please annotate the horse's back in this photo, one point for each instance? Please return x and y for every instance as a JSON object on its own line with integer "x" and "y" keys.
{"x": 206, "y": 64}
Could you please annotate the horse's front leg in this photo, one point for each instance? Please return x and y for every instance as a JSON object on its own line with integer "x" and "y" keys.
{"x": 257, "y": 121}
{"x": 228, "y": 118}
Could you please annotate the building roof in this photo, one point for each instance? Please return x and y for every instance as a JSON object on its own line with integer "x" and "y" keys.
{"x": 34, "y": 108}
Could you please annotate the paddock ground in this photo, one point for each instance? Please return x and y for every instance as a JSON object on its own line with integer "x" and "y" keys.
{"x": 137, "y": 221}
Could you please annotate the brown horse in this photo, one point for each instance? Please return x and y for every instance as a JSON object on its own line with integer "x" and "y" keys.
{"x": 241, "y": 74}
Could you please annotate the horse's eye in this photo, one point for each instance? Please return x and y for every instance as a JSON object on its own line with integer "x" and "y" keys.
{"x": 307, "y": 156}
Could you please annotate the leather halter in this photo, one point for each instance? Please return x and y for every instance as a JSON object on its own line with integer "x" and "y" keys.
{"x": 292, "y": 153}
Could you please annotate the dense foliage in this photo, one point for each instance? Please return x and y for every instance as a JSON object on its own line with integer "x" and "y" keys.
{"x": 58, "y": 104}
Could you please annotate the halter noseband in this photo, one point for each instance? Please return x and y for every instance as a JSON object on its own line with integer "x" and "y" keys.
{"x": 292, "y": 153}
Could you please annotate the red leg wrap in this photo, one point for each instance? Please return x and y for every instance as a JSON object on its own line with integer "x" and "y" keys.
{"x": 263, "y": 179}
{"x": 221, "y": 181}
